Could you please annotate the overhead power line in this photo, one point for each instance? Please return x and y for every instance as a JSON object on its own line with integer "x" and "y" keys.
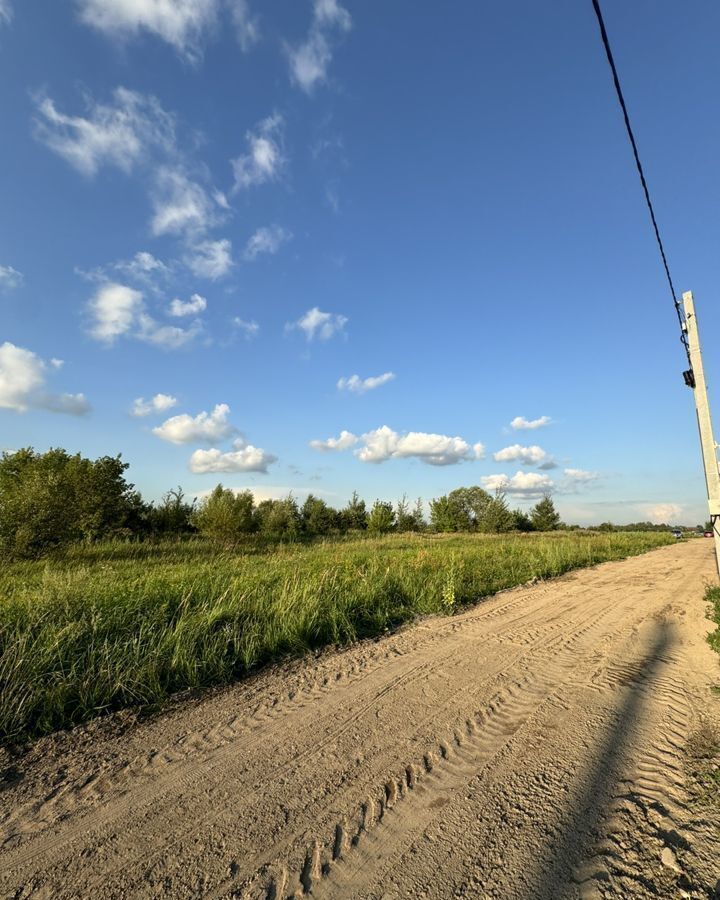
{"x": 641, "y": 173}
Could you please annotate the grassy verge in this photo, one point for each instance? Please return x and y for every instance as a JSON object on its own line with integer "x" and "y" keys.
{"x": 712, "y": 595}
{"x": 116, "y": 625}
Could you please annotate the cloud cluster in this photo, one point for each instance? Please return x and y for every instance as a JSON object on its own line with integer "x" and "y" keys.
{"x": 210, "y": 259}
{"x": 205, "y": 427}
{"x": 249, "y": 329}
{"x": 158, "y": 404}
{"x": 192, "y": 307}
{"x": 180, "y": 23}
{"x": 122, "y": 134}
{"x": 661, "y": 513}
{"x": 521, "y": 484}
{"x": 6, "y": 12}
{"x": 383, "y": 444}
{"x": 577, "y": 478}
{"x": 361, "y": 385}
{"x": 309, "y": 61}
{"x": 520, "y": 423}
{"x": 346, "y": 440}
{"x": 533, "y": 484}
{"x": 264, "y": 159}
{"x": 268, "y": 239}
{"x": 316, "y": 324}
{"x": 117, "y": 310}
{"x": 181, "y": 206}
{"x": 10, "y": 278}
{"x": 133, "y": 132}
{"x": 243, "y": 458}
{"x": 530, "y": 456}
{"x": 213, "y": 427}
{"x": 23, "y": 375}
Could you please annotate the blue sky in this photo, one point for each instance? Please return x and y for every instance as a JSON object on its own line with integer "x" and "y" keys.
{"x": 346, "y": 246}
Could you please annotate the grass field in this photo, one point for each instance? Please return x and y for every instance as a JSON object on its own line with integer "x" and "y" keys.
{"x": 114, "y": 625}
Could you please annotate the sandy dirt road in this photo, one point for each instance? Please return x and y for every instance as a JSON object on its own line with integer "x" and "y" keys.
{"x": 532, "y": 746}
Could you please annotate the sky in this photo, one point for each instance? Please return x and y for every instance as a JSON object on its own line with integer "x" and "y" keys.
{"x": 324, "y": 246}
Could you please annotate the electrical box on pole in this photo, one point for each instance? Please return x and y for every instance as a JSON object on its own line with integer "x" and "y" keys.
{"x": 695, "y": 378}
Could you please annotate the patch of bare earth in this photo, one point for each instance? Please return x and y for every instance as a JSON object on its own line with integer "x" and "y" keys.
{"x": 539, "y": 745}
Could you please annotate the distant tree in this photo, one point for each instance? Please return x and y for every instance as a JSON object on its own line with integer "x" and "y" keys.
{"x": 418, "y": 515}
{"x": 224, "y": 515}
{"x": 173, "y": 514}
{"x": 354, "y": 516}
{"x": 53, "y": 498}
{"x": 544, "y": 516}
{"x": 495, "y": 517}
{"x": 521, "y": 521}
{"x": 606, "y": 526}
{"x": 279, "y": 519}
{"x": 449, "y": 513}
{"x": 407, "y": 519}
{"x": 382, "y": 518}
{"x": 317, "y": 517}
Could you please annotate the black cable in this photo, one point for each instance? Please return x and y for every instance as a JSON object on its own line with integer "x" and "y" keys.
{"x": 618, "y": 90}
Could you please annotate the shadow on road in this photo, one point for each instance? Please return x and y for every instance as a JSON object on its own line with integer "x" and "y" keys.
{"x": 553, "y": 876}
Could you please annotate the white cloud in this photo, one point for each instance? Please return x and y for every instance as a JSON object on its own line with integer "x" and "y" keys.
{"x": 185, "y": 429}
{"x": 249, "y": 328}
{"x": 180, "y": 23}
{"x": 244, "y": 458}
{"x": 310, "y": 60}
{"x": 180, "y": 204}
{"x": 132, "y": 132}
{"x": 360, "y": 385}
{"x": 6, "y": 12}
{"x": 115, "y": 309}
{"x": 268, "y": 239}
{"x": 521, "y": 484}
{"x": 318, "y": 324}
{"x": 581, "y": 475}
{"x": 22, "y": 383}
{"x": 196, "y": 304}
{"x": 142, "y": 267}
{"x": 119, "y": 134}
{"x": 264, "y": 159}
{"x": 10, "y": 278}
{"x": 210, "y": 259}
{"x": 159, "y": 403}
{"x": 530, "y": 456}
{"x": 246, "y": 24}
{"x": 346, "y": 440}
{"x": 662, "y": 513}
{"x": 383, "y": 444}
{"x": 434, "y": 449}
{"x": 575, "y": 479}
{"x": 167, "y": 337}
{"x": 520, "y": 422}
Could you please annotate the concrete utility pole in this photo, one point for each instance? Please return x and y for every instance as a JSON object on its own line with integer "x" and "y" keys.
{"x": 695, "y": 378}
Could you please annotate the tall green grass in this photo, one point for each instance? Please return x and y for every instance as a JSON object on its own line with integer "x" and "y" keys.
{"x": 114, "y": 625}
{"x": 712, "y": 595}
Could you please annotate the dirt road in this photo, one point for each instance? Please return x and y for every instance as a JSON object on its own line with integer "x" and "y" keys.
{"x": 531, "y": 747}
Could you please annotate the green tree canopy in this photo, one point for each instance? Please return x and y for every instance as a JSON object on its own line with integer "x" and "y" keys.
{"x": 544, "y": 516}
{"x": 382, "y": 517}
{"x": 225, "y": 515}
{"x": 354, "y": 516}
{"x": 49, "y": 499}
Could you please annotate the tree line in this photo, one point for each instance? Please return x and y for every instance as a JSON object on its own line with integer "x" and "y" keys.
{"x": 55, "y": 498}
